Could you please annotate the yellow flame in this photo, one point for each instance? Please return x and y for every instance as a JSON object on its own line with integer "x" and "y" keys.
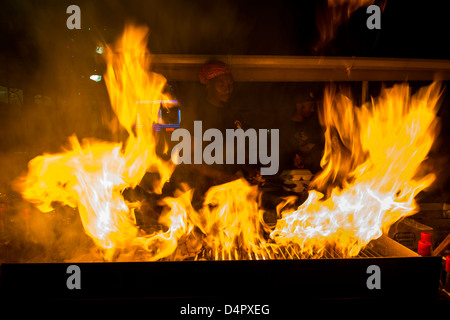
{"x": 129, "y": 82}
{"x": 228, "y": 225}
{"x": 93, "y": 175}
{"x": 372, "y": 156}
{"x": 232, "y": 218}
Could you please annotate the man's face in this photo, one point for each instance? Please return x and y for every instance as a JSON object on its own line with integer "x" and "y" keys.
{"x": 306, "y": 109}
{"x": 221, "y": 87}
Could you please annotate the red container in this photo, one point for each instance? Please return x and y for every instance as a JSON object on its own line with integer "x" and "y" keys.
{"x": 426, "y": 236}
{"x": 424, "y": 248}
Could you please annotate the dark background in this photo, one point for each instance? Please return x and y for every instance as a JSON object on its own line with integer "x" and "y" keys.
{"x": 30, "y": 30}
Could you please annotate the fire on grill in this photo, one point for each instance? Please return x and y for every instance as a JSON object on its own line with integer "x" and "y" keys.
{"x": 371, "y": 175}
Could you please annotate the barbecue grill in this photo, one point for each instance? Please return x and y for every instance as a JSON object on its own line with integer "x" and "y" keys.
{"x": 325, "y": 274}
{"x": 321, "y": 275}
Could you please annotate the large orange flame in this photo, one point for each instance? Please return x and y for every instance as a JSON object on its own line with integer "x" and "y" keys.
{"x": 369, "y": 178}
{"x": 92, "y": 175}
{"x": 129, "y": 83}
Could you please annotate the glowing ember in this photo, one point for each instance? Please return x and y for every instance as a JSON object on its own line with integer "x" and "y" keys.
{"x": 369, "y": 178}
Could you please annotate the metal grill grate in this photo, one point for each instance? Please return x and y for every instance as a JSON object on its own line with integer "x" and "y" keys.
{"x": 281, "y": 253}
{"x": 383, "y": 247}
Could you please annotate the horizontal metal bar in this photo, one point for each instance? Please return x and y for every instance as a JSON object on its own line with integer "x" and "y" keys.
{"x": 301, "y": 68}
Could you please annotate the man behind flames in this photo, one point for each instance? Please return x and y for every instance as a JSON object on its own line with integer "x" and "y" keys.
{"x": 215, "y": 109}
